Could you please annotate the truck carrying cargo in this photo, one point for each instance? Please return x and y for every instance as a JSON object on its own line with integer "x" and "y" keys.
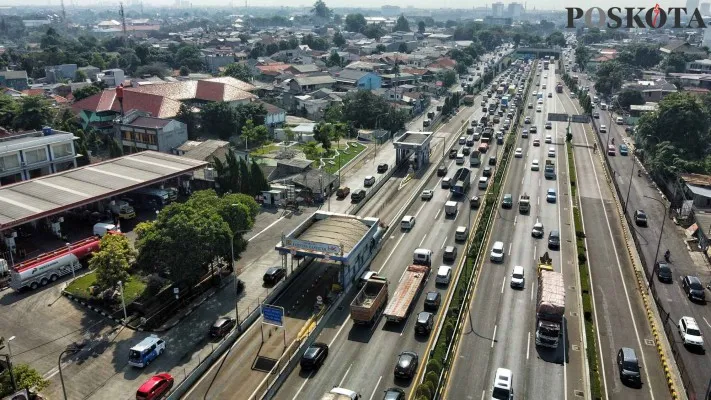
{"x": 461, "y": 181}
{"x": 49, "y": 267}
{"x": 342, "y": 192}
{"x": 550, "y": 308}
{"x": 468, "y": 100}
{"x": 370, "y": 301}
{"x": 410, "y": 286}
{"x": 549, "y": 171}
{"x": 450, "y": 208}
{"x": 524, "y": 203}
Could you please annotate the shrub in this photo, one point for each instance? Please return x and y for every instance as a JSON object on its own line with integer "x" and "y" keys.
{"x": 434, "y": 366}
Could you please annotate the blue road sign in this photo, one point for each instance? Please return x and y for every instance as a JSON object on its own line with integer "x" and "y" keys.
{"x": 273, "y": 315}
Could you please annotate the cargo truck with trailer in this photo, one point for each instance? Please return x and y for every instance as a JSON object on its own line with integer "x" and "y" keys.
{"x": 370, "y": 301}
{"x": 550, "y": 307}
{"x": 411, "y": 284}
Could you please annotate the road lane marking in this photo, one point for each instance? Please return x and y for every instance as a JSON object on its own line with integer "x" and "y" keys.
{"x": 423, "y": 240}
{"x": 707, "y": 322}
{"x": 375, "y": 389}
{"x": 303, "y": 384}
{"x": 538, "y": 201}
{"x": 509, "y": 253}
{"x": 437, "y": 215}
{"x": 535, "y": 246}
{"x": 265, "y": 229}
{"x": 515, "y": 220}
{"x": 340, "y": 384}
{"x": 528, "y": 346}
{"x": 444, "y": 242}
{"x": 418, "y": 211}
{"x": 493, "y": 338}
{"x": 483, "y": 394}
{"x": 503, "y": 284}
{"x": 391, "y": 254}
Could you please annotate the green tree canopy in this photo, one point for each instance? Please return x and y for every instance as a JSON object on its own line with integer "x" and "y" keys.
{"x": 610, "y": 75}
{"x": 355, "y": 23}
{"x": 556, "y": 39}
{"x": 321, "y": 10}
{"x": 112, "y": 261}
{"x": 26, "y": 377}
{"x": 86, "y": 91}
{"x": 190, "y": 119}
{"x": 33, "y": 112}
{"x": 219, "y": 118}
{"x": 628, "y": 97}
{"x": 338, "y": 39}
{"x": 401, "y": 25}
{"x": 8, "y": 110}
{"x": 421, "y": 26}
{"x": 366, "y": 109}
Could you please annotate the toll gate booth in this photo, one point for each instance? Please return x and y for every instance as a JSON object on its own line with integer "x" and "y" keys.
{"x": 413, "y": 146}
{"x": 344, "y": 241}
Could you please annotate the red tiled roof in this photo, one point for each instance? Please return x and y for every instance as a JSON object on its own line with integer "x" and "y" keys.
{"x": 444, "y": 62}
{"x": 279, "y": 67}
{"x": 34, "y": 92}
{"x": 414, "y": 71}
{"x": 59, "y": 99}
{"x": 158, "y": 106}
{"x": 228, "y": 80}
{"x": 96, "y": 103}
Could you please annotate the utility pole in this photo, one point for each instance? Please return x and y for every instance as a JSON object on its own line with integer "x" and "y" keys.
{"x": 64, "y": 15}
{"x": 123, "y": 19}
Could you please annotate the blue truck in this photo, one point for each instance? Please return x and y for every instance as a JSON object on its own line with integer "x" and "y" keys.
{"x": 461, "y": 181}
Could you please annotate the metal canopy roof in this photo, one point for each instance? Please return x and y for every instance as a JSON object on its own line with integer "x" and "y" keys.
{"x": 48, "y": 195}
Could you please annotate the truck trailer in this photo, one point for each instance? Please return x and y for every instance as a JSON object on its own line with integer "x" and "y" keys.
{"x": 461, "y": 181}
{"x": 411, "y": 284}
{"x": 550, "y": 307}
{"x": 370, "y": 301}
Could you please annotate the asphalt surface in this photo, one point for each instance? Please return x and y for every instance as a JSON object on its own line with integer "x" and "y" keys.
{"x": 363, "y": 358}
{"x": 500, "y": 329}
{"x": 619, "y": 315}
{"x": 695, "y": 363}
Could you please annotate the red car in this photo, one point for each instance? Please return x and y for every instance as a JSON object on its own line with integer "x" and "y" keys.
{"x": 156, "y": 387}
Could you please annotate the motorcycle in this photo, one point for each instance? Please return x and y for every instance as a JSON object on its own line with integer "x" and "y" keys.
{"x": 667, "y": 256}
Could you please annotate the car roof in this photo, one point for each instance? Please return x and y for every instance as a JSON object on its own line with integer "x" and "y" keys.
{"x": 693, "y": 279}
{"x": 629, "y": 354}
{"x": 690, "y": 322}
{"x": 432, "y": 295}
{"x": 518, "y": 268}
{"x": 443, "y": 269}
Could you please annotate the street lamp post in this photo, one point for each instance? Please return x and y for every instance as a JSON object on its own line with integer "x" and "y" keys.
{"x": 71, "y": 349}
{"x": 629, "y": 188}
{"x": 234, "y": 272}
{"x": 661, "y": 232}
{"x": 123, "y": 303}
{"x": 9, "y": 361}
{"x": 74, "y": 275}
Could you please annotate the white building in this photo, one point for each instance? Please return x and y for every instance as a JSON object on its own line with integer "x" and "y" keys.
{"x": 497, "y": 9}
{"x": 34, "y": 154}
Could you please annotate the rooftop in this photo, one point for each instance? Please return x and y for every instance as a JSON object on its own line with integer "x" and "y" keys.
{"x": 49, "y": 195}
{"x": 418, "y": 138}
{"x": 33, "y": 139}
{"x": 336, "y": 230}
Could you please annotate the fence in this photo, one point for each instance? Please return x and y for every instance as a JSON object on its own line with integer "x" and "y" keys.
{"x": 648, "y": 268}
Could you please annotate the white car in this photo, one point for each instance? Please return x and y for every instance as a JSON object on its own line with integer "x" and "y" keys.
{"x": 603, "y": 128}
{"x": 518, "y": 153}
{"x": 517, "y": 277}
{"x": 535, "y": 166}
{"x": 539, "y": 109}
{"x": 407, "y": 222}
{"x": 551, "y": 152}
{"x": 369, "y": 181}
{"x": 549, "y": 139}
{"x": 689, "y": 332}
{"x": 540, "y": 101}
{"x": 537, "y": 231}
{"x": 427, "y": 194}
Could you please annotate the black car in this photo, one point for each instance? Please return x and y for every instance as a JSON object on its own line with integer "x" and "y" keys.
{"x": 406, "y": 366}
{"x": 450, "y": 254}
{"x": 442, "y": 170}
{"x": 533, "y": 129}
{"x": 314, "y": 356}
{"x": 640, "y": 218}
{"x": 492, "y": 161}
{"x": 554, "y": 240}
{"x": 466, "y": 151}
{"x": 432, "y": 300}
{"x": 487, "y": 171}
{"x": 222, "y": 327}
{"x": 628, "y": 365}
{"x": 693, "y": 288}
{"x": 382, "y": 168}
{"x": 425, "y": 322}
{"x": 453, "y": 153}
{"x": 274, "y": 275}
{"x": 664, "y": 272}
{"x": 394, "y": 394}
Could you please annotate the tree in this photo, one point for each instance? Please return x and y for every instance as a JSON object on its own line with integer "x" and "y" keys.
{"x": 219, "y": 118}
{"x": 290, "y": 135}
{"x": 461, "y": 69}
{"x": 374, "y": 31}
{"x": 26, "y": 377}
{"x": 8, "y": 110}
{"x": 401, "y": 25}
{"x": 80, "y": 76}
{"x": 184, "y": 71}
{"x": 238, "y": 71}
{"x": 112, "y": 261}
{"x": 556, "y": 39}
{"x": 338, "y": 39}
{"x": 86, "y": 91}
{"x": 257, "y": 179}
{"x": 334, "y": 60}
{"x": 421, "y": 27}
{"x": 447, "y": 77}
{"x": 228, "y": 177}
{"x": 34, "y": 112}
{"x": 355, "y": 23}
{"x": 675, "y": 62}
{"x": 516, "y": 39}
{"x": 610, "y": 75}
{"x": 380, "y": 48}
{"x": 333, "y": 113}
{"x": 322, "y": 134}
{"x": 321, "y": 10}
{"x": 582, "y": 56}
{"x": 154, "y": 69}
{"x": 402, "y": 48}
{"x": 188, "y": 117}
{"x": 628, "y": 97}
{"x": 254, "y": 134}
{"x": 189, "y": 56}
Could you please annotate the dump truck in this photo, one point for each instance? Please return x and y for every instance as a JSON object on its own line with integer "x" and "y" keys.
{"x": 549, "y": 171}
{"x": 524, "y": 203}
{"x": 550, "y": 308}
{"x": 338, "y": 393}
{"x": 411, "y": 284}
{"x": 559, "y": 87}
{"x": 370, "y": 301}
{"x": 461, "y": 181}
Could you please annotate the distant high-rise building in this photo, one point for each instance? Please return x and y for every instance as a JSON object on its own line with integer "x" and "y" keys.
{"x": 691, "y": 5}
{"x": 705, "y": 9}
{"x": 387, "y": 10}
{"x": 515, "y": 10}
{"x": 497, "y": 9}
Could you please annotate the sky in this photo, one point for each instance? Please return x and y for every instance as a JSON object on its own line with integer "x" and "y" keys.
{"x": 530, "y": 4}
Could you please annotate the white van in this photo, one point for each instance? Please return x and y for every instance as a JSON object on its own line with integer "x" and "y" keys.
{"x": 407, "y": 222}
{"x": 517, "y": 277}
{"x": 603, "y": 106}
{"x": 444, "y": 274}
{"x": 460, "y": 159}
{"x": 422, "y": 257}
{"x": 483, "y": 182}
{"x": 461, "y": 233}
{"x": 497, "y": 252}
{"x": 620, "y": 121}
{"x": 101, "y": 228}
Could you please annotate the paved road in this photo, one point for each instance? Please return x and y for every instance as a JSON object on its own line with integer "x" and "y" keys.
{"x": 363, "y": 358}
{"x": 620, "y": 315}
{"x": 672, "y": 298}
{"x": 500, "y": 330}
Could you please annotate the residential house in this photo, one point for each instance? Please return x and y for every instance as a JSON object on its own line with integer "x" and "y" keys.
{"x": 90, "y": 71}
{"x": 59, "y": 73}
{"x": 699, "y": 187}
{"x": 275, "y": 117}
{"x": 31, "y": 155}
{"x": 652, "y": 91}
{"x": 595, "y": 62}
{"x": 138, "y": 131}
{"x": 367, "y": 66}
{"x": 160, "y": 100}
{"x": 14, "y": 79}
{"x": 702, "y": 66}
{"x": 302, "y": 69}
{"x": 208, "y": 150}
{"x": 347, "y": 79}
{"x": 306, "y": 84}
{"x": 309, "y": 184}
{"x": 438, "y": 38}
{"x": 112, "y": 77}
{"x": 268, "y": 72}
{"x": 214, "y": 62}
{"x": 403, "y": 78}
{"x": 679, "y": 47}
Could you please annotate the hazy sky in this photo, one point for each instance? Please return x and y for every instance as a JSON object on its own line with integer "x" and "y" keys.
{"x": 538, "y": 4}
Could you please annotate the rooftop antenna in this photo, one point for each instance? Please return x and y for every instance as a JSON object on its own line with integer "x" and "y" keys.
{"x": 123, "y": 19}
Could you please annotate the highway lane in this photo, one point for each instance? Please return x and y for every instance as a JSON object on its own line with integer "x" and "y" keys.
{"x": 672, "y": 297}
{"x": 619, "y": 312}
{"x": 362, "y": 358}
{"x": 494, "y": 338}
